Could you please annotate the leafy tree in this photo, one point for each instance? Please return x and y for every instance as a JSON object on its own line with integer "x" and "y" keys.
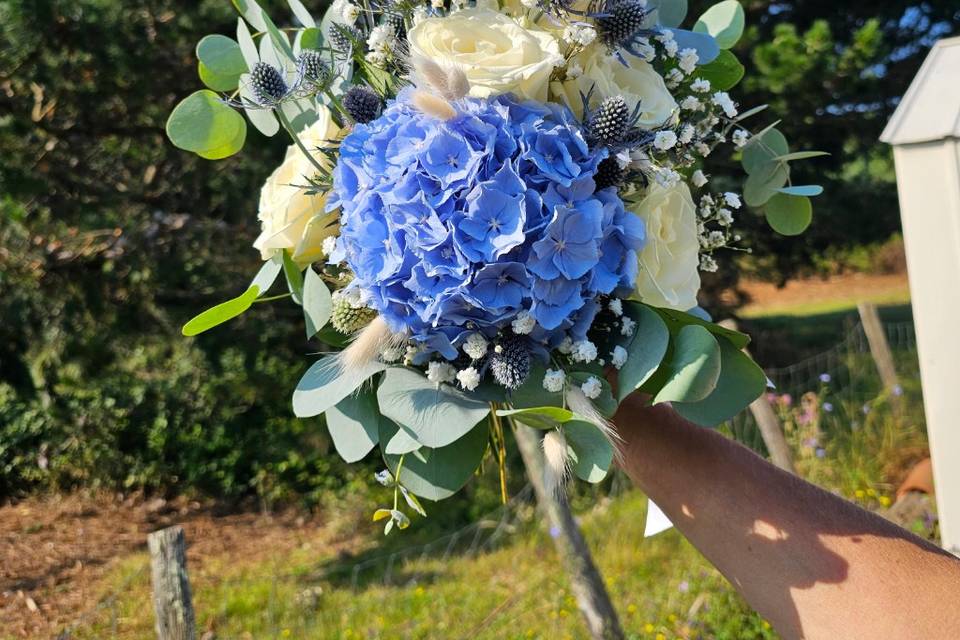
{"x": 834, "y": 74}
{"x": 109, "y": 239}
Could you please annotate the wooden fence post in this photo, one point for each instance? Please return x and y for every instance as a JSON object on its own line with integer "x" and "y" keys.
{"x": 772, "y": 432}
{"x": 585, "y": 580}
{"x": 879, "y": 347}
{"x": 769, "y": 424}
{"x": 171, "y": 586}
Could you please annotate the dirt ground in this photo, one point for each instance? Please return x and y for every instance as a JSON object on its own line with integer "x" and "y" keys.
{"x": 798, "y": 293}
{"x": 55, "y": 552}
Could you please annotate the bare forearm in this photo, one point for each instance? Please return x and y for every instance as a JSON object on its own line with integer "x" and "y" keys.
{"x": 813, "y": 564}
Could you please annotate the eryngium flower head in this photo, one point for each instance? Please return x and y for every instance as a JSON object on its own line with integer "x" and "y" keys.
{"x": 609, "y": 174}
{"x": 362, "y": 104}
{"x": 609, "y": 123}
{"x": 455, "y": 227}
{"x": 619, "y": 21}
{"x": 267, "y": 84}
{"x": 312, "y": 68}
{"x": 344, "y": 37}
{"x": 510, "y": 361}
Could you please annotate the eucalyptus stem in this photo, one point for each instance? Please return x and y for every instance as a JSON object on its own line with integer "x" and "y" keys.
{"x": 501, "y": 444}
{"x": 282, "y": 117}
{"x": 336, "y": 103}
{"x": 396, "y": 483}
{"x": 272, "y": 298}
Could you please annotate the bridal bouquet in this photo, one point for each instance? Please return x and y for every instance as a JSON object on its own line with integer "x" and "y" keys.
{"x": 487, "y": 209}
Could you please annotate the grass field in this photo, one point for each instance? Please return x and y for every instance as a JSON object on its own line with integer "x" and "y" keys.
{"x": 850, "y": 438}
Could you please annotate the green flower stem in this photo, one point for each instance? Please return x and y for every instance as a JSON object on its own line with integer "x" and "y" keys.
{"x": 281, "y": 116}
{"x": 338, "y": 107}
{"x": 272, "y": 298}
{"x": 396, "y": 485}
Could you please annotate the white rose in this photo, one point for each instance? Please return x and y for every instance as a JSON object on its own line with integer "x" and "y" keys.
{"x": 289, "y": 217}
{"x": 669, "y": 263}
{"x": 496, "y": 53}
{"x": 638, "y": 83}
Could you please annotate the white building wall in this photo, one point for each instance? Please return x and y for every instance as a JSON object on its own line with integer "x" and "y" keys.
{"x": 929, "y": 183}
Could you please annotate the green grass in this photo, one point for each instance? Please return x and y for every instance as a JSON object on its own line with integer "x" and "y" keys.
{"x": 654, "y": 583}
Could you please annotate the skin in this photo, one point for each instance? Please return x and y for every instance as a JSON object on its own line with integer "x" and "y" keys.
{"x": 814, "y": 565}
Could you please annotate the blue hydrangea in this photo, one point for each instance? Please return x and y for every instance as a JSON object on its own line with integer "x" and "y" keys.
{"x": 458, "y": 226}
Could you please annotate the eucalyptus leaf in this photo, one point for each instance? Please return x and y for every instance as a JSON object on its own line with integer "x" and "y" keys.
{"x": 724, "y": 73}
{"x": 214, "y": 81}
{"x": 221, "y": 313}
{"x": 396, "y": 441}
{"x": 763, "y": 150}
{"x": 279, "y": 40}
{"x": 248, "y": 48}
{"x": 268, "y": 274}
{"x": 676, "y": 320}
{"x": 801, "y": 155}
{"x": 436, "y": 474}
{"x": 326, "y": 383}
{"x": 203, "y": 124}
{"x": 270, "y": 54}
{"x": 354, "y": 425}
{"x": 789, "y": 215}
{"x": 592, "y": 451}
{"x": 222, "y": 59}
{"x": 301, "y": 114}
{"x": 400, "y": 518}
{"x": 434, "y": 414}
{"x": 763, "y": 185}
{"x": 694, "y": 369}
{"x": 724, "y": 21}
{"x": 294, "y": 277}
{"x": 672, "y": 12}
{"x": 412, "y": 501}
{"x": 301, "y": 14}
{"x": 317, "y": 302}
{"x": 810, "y": 191}
{"x": 552, "y": 414}
{"x": 252, "y": 13}
{"x": 751, "y": 112}
{"x": 308, "y": 39}
{"x": 704, "y": 44}
{"x": 741, "y": 382}
{"x": 646, "y": 349}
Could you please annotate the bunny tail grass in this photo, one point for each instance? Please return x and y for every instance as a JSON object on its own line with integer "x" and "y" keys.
{"x": 581, "y": 405}
{"x": 433, "y": 105}
{"x": 557, "y": 458}
{"x": 429, "y": 76}
{"x": 367, "y": 346}
{"x": 458, "y": 86}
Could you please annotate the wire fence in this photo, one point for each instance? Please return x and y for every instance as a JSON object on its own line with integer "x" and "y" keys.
{"x": 846, "y": 368}
{"x": 846, "y": 371}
